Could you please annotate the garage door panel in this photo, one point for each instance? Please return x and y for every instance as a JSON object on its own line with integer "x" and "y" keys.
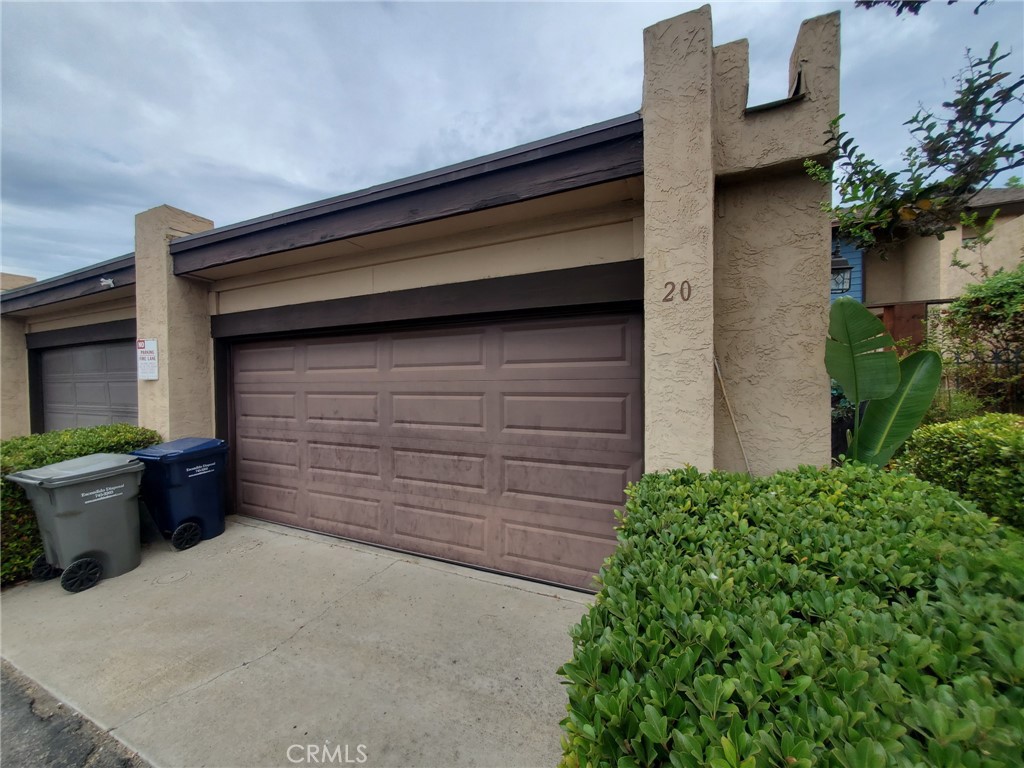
{"x": 506, "y": 446}
{"x": 269, "y": 409}
{"x": 92, "y": 394}
{"x": 56, "y": 420}
{"x": 59, "y": 362}
{"x": 564, "y": 481}
{"x": 348, "y": 357}
{"x": 90, "y": 359}
{"x": 121, "y": 358}
{"x": 89, "y": 385}
{"x": 422, "y": 352}
{"x": 444, "y": 471}
{"x": 59, "y": 394}
{"x": 343, "y": 408}
{"x": 449, "y": 411}
{"x": 334, "y": 462}
{"x": 541, "y": 549}
{"x": 262, "y": 453}
{"x": 263, "y": 496}
{"x": 92, "y": 419}
{"x": 123, "y": 395}
{"x": 422, "y": 527}
{"x": 566, "y": 344}
{"x": 345, "y": 514}
{"x": 261, "y": 361}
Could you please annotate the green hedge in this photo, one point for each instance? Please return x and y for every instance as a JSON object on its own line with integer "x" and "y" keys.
{"x": 20, "y": 544}
{"x": 982, "y": 459}
{"x": 845, "y": 617}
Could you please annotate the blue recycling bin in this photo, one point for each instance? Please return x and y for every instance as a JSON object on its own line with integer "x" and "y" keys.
{"x": 183, "y": 487}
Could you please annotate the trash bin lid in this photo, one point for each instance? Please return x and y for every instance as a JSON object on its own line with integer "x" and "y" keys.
{"x": 183, "y": 447}
{"x": 78, "y": 470}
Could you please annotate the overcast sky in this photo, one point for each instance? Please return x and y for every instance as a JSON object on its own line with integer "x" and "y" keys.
{"x": 236, "y": 110}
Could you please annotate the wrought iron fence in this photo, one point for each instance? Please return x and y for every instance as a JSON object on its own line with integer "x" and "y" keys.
{"x": 996, "y": 373}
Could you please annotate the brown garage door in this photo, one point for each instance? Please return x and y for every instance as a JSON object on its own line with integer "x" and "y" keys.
{"x": 506, "y": 445}
{"x": 88, "y": 385}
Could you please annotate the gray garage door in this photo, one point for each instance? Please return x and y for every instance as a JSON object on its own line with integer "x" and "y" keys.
{"x": 88, "y": 385}
{"x": 506, "y": 445}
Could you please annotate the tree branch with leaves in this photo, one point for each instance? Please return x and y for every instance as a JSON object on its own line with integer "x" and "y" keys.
{"x": 958, "y": 151}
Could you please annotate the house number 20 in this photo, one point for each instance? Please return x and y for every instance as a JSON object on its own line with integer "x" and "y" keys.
{"x": 683, "y": 291}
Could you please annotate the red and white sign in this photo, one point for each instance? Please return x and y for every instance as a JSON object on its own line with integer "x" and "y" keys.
{"x": 147, "y": 362}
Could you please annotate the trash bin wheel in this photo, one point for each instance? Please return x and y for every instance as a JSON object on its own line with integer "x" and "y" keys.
{"x": 81, "y": 574}
{"x": 186, "y": 535}
{"x": 42, "y": 570}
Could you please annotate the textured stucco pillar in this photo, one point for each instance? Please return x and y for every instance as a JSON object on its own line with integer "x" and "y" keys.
{"x": 174, "y": 311}
{"x": 730, "y": 214}
{"x": 771, "y": 289}
{"x": 772, "y": 258}
{"x": 14, "y": 410}
{"x": 679, "y": 187}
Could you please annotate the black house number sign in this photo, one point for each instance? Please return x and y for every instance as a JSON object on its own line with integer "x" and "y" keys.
{"x": 680, "y": 291}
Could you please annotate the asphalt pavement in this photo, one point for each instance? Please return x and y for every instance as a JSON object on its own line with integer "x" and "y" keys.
{"x": 37, "y": 730}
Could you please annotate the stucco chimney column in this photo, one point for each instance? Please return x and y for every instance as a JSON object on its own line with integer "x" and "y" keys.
{"x": 174, "y": 311}
{"x": 679, "y": 186}
{"x": 14, "y": 406}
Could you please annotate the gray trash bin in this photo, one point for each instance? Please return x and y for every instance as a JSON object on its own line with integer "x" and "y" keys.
{"x": 88, "y": 515}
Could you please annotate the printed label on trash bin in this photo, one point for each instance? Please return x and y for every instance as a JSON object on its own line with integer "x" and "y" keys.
{"x": 102, "y": 494}
{"x": 200, "y": 469}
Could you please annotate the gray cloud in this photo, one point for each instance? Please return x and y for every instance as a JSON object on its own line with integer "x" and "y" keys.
{"x": 236, "y": 110}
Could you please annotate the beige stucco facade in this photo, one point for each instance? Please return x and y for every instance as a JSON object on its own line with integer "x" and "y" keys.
{"x": 733, "y": 243}
{"x": 14, "y": 413}
{"x": 9, "y": 281}
{"x": 922, "y": 269}
{"x": 174, "y": 311}
{"x": 735, "y": 375}
{"x": 468, "y": 251}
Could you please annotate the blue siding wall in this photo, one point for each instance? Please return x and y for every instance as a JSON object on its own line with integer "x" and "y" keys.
{"x": 856, "y": 259}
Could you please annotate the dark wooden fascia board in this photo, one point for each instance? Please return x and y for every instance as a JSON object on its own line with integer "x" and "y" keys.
{"x": 74, "y": 285}
{"x": 1009, "y": 208}
{"x": 116, "y": 330}
{"x": 600, "y": 284}
{"x": 617, "y": 155}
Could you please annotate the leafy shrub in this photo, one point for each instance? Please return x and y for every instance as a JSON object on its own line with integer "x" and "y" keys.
{"x": 981, "y": 335}
{"x": 952, "y": 404}
{"x": 848, "y": 617}
{"x": 982, "y": 459}
{"x": 21, "y": 544}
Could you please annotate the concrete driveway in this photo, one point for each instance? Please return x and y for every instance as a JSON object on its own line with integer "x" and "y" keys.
{"x": 274, "y": 647}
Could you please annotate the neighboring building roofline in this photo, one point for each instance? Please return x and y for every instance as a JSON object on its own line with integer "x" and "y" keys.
{"x": 71, "y": 285}
{"x": 1008, "y": 200}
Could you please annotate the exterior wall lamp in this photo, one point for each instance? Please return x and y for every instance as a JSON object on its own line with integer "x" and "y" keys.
{"x": 842, "y": 271}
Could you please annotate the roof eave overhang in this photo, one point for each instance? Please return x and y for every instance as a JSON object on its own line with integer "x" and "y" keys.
{"x": 601, "y": 153}
{"x": 73, "y": 285}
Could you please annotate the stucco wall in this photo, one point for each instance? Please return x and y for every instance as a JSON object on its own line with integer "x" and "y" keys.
{"x": 1005, "y": 251}
{"x": 921, "y": 269}
{"x": 109, "y": 311}
{"x": 769, "y": 326}
{"x": 9, "y": 281}
{"x": 560, "y": 242}
{"x": 883, "y": 280}
{"x": 14, "y": 406}
{"x": 173, "y": 311}
{"x": 679, "y": 184}
{"x": 730, "y": 211}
